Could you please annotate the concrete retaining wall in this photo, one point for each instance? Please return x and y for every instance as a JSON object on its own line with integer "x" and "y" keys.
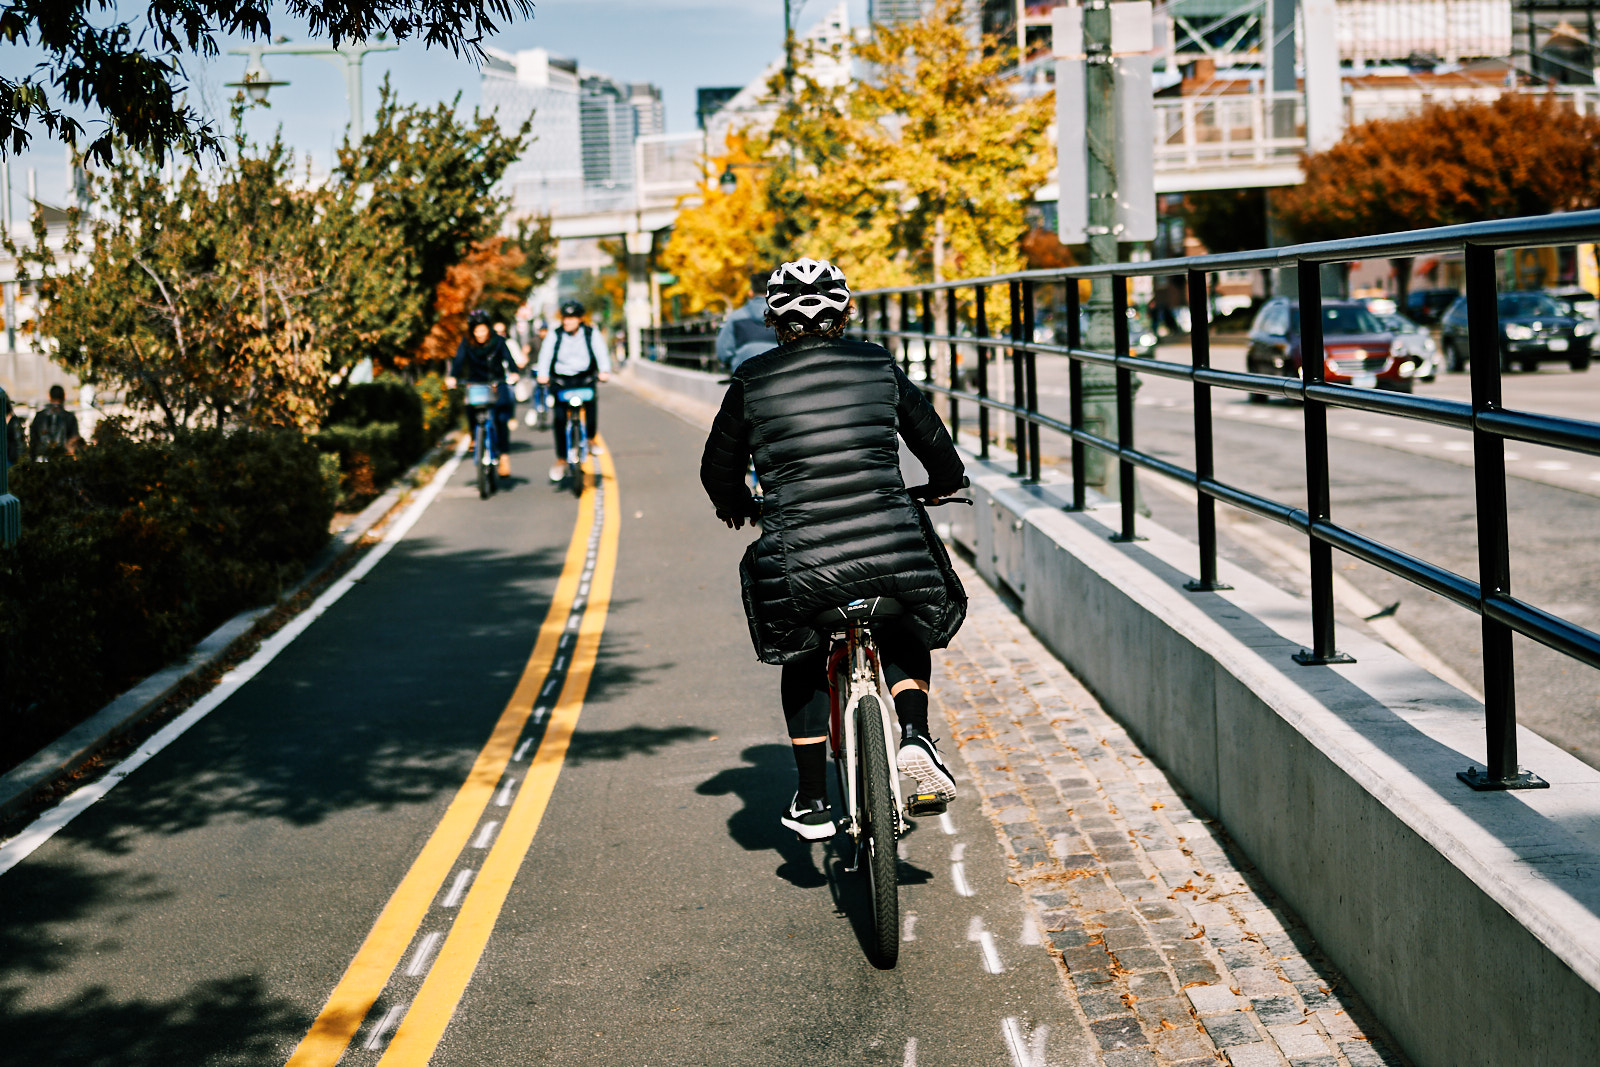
{"x": 1469, "y": 922}
{"x": 694, "y": 384}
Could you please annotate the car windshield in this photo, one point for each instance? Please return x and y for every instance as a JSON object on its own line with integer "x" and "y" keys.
{"x": 1398, "y": 324}
{"x": 1340, "y": 319}
{"x": 1515, "y": 305}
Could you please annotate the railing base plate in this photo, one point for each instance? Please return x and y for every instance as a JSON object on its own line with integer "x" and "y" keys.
{"x": 1307, "y": 658}
{"x": 1195, "y": 585}
{"x": 1121, "y": 540}
{"x": 1478, "y": 778}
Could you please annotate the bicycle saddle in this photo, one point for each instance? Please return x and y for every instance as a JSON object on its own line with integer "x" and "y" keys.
{"x": 874, "y": 607}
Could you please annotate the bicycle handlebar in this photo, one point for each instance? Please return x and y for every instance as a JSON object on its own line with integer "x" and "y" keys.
{"x": 929, "y": 498}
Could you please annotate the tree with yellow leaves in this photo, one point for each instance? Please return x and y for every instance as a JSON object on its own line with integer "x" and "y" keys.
{"x": 920, "y": 172}
{"x": 720, "y": 238}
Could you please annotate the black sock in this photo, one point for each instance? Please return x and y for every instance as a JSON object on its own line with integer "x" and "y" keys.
{"x": 911, "y": 705}
{"x": 812, "y": 763}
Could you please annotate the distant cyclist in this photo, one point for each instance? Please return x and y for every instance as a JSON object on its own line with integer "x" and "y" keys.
{"x": 573, "y": 356}
{"x": 821, "y": 415}
{"x": 745, "y": 332}
{"x": 483, "y": 358}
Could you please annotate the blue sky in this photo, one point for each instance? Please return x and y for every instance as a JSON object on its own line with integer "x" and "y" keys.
{"x": 677, "y": 44}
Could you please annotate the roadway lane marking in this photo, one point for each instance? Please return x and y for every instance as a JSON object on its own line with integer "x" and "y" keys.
{"x": 522, "y": 749}
{"x": 420, "y": 1031}
{"x": 958, "y": 851}
{"x": 51, "y": 822}
{"x": 503, "y": 799}
{"x": 1457, "y": 446}
{"x": 1025, "y": 1052}
{"x": 985, "y": 940}
{"x": 910, "y": 1058}
{"x": 424, "y": 954}
{"x": 375, "y": 1039}
{"x": 945, "y": 824}
{"x": 402, "y": 916}
{"x": 1553, "y": 465}
{"x": 958, "y": 878}
{"x": 457, "y": 888}
{"x": 909, "y": 934}
{"x": 486, "y": 835}
{"x": 1030, "y": 931}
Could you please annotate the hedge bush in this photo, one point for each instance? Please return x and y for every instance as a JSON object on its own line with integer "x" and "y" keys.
{"x": 132, "y": 551}
{"x": 380, "y": 428}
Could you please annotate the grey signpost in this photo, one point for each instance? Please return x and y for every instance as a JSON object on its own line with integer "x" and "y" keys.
{"x": 257, "y": 81}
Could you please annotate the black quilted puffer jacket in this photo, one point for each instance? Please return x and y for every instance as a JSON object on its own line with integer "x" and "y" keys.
{"x": 820, "y": 417}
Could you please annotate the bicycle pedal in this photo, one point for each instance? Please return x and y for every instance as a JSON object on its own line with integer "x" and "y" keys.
{"x": 924, "y": 804}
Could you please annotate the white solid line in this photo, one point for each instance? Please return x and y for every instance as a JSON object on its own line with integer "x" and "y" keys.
{"x": 424, "y": 953}
{"x": 958, "y": 851}
{"x": 1380, "y": 431}
{"x": 910, "y": 1059}
{"x": 50, "y": 823}
{"x": 1350, "y": 427}
{"x": 1012, "y": 1029}
{"x": 1457, "y": 446}
{"x": 949, "y": 827}
{"x": 958, "y": 878}
{"x": 1420, "y": 438}
{"x": 486, "y": 835}
{"x": 504, "y": 799}
{"x": 1553, "y": 465}
{"x": 522, "y": 749}
{"x": 390, "y": 1019}
{"x": 457, "y": 889}
{"x": 910, "y": 933}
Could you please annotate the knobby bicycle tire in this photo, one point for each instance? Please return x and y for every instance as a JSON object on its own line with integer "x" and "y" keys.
{"x": 878, "y": 833}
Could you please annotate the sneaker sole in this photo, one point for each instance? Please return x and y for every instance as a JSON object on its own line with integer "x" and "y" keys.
{"x": 918, "y": 766}
{"x": 810, "y": 831}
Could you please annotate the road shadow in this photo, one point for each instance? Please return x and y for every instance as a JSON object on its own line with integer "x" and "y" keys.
{"x": 44, "y": 928}
{"x": 218, "y": 1023}
{"x": 766, "y": 785}
{"x": 589, "y": 745}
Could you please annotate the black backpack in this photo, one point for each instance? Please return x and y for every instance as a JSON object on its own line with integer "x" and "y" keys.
{"x": 51, "y": 428}
{"x": 588, "y": 340}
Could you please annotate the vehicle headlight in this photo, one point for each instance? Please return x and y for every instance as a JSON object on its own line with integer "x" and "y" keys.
{"x": 1407, "y": 368}
{"x": 1147, "y": 340}
{"x": 1583, "y": 329}
{"x": 1518, "y": 332}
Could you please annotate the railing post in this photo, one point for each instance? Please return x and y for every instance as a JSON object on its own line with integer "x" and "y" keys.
{"x": 1080, "y": 490}
{"x": 1494, "y": 555}
{"x": 1019, "y": 430}
{"x": 1119, "y": 335}
{"x": 927, "y": 342}
{"x": 950, "y": 325}
{"x": 1308, "y": 276}
{"x": 905, "y": 325}
{"x": 1204, "y": 466}
{"x": 1031, "y": 380}
{"x": 883, "y": 321}
{"x": 980, "y": 329}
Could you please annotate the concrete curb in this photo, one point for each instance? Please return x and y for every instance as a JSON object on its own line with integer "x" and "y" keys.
{"x": 19, "y": 785}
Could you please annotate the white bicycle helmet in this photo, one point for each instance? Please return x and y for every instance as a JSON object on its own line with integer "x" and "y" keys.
{"x": 808, "y": 294}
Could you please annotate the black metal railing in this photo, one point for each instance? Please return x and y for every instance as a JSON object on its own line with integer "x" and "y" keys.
{"x": 690, "y": 343}
{"x": 1485, "y": 416}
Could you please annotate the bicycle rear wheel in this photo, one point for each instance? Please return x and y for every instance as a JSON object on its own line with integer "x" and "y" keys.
{"x": 878, "y": 831}
{"x": 479, "y": 452}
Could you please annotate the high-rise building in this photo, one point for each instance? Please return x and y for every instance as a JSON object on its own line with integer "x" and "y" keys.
{"x": 585, "y": 125}
{"x": 753, "y": 105}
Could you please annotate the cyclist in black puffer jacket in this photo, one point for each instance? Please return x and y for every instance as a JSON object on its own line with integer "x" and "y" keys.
{"x": 821, "y": 415}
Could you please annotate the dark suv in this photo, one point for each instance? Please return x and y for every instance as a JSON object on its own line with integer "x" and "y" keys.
{"x": 1534, "y": 329}
{"x": 1426, "y": 305}
{"x": 1357, "y": 350}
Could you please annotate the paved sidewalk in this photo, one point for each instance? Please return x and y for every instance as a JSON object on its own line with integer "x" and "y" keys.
{"x": 1175, "y": 953}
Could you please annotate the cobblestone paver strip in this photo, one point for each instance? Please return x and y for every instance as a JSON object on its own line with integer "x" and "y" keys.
{"x": 1174, "y": 955}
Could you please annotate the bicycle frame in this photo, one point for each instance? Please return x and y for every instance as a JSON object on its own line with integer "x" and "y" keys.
{"x": 853, "y": 673}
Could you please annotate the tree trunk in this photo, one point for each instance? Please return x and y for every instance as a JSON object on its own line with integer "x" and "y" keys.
{"x": 1402, "y": 281}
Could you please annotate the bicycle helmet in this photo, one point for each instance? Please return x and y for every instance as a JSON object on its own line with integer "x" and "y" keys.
{"x": 808, "y": 294}
{"x": 572, "y": 308}
{"x": 477, "y": 317}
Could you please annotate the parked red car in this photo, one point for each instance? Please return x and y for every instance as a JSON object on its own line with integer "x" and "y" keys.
{"x": 1357, "y": 350}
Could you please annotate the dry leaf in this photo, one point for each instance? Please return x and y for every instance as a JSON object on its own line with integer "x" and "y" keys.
{"x": 1166, "y": 1025}
{"x": 1157, "y": 806}
{"x": 1200, "y": 931}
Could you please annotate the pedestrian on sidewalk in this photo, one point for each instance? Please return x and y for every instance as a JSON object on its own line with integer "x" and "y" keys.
{"x": 745, "y": 332}
{"x": 573, "y": 356}
{"x": 822, "y": 416}
{"x": 54, "y": 428}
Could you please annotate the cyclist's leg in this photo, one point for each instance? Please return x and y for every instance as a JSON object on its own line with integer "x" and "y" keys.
{"x": 804, "y": 690}
{"x": 591, "y": 420}
{"x": 558, "y": 425}
{"x": 908, "y": 667}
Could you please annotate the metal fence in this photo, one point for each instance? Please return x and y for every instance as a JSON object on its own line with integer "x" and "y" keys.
{"x": 691, "y": 343}
{"x": 1489, "y": 421}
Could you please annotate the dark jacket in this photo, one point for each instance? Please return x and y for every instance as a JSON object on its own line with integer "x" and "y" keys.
{"x": 482, "y": 363}
{"x": 745, "y": 334}
{"x": 820, "y": 418}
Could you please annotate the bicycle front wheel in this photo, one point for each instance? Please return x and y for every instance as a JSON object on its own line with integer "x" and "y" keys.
{"x": 480, "y": 453}
{"x": 878, "y": 830}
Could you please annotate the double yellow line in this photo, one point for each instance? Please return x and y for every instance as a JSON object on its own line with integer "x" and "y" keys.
{"x": 425, "y": 1021}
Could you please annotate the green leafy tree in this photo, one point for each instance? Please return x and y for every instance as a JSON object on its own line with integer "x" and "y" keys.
{"x": 133, "y": 74}
{"x": 429, "y": 178}
{"x": 720, "y": 238}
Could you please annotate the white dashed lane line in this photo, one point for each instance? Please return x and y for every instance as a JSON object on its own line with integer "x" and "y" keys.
{"x": 390, "y": 1019}
{"x": 910, "y": 1058}
{"x": 503, "y": 799}
{"x": 486, "y": 834}
{"x": 985, "y": 941}
{"x": 1026, "y": 1050}
{"x": 424, "y": 954}
{"x": 910, "y": 931}
{"x": 458, "y": 889}
{"x": 946, "y": 824}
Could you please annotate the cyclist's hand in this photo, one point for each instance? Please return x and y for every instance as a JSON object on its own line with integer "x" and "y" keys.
{"x": 449, "y": 382}
{"x": 513, "y": 379}
{"x": 733, "y": 522}
{"x": 604, "y": 377}
{"x": 543, "y": 380}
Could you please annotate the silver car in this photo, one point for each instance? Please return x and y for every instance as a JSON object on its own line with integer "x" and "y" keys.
{"x": 1413, "y": 340}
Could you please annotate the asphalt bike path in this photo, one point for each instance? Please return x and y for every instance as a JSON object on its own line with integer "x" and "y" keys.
{"x": 486, "y": 810}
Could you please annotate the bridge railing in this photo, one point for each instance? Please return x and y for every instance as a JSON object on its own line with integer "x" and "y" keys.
{"x": 888, "y": 313}
{"x": 690, "y": 343}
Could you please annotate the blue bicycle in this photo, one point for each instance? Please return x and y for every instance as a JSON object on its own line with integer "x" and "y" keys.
{"x": 577, "y": 433}
{"x": 486, "y": 443}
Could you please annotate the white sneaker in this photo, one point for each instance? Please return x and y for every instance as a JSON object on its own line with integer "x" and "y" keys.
{"x": 919, "y": 760}
{"x": 596, "y": 450}
{"x": 811, "y": 819}
{"x": 558, "y": 472}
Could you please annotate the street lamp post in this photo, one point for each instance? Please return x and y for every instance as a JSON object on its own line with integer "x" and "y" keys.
{"x": 349, "y": 57}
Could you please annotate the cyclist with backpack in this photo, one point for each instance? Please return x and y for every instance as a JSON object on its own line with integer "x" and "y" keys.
{"x": 483, "y": 358}
{"x": 54, "y": 427}
{"x": 822, "y": 415}
{"x": 572, "y": 357}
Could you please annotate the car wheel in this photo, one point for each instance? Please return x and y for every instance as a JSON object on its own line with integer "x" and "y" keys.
{"x": 1453, "y": 362}
{"x": 1579, "y": 363}
{"x": 1530, "y": 366}
{"x": 1506, "y": 366}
